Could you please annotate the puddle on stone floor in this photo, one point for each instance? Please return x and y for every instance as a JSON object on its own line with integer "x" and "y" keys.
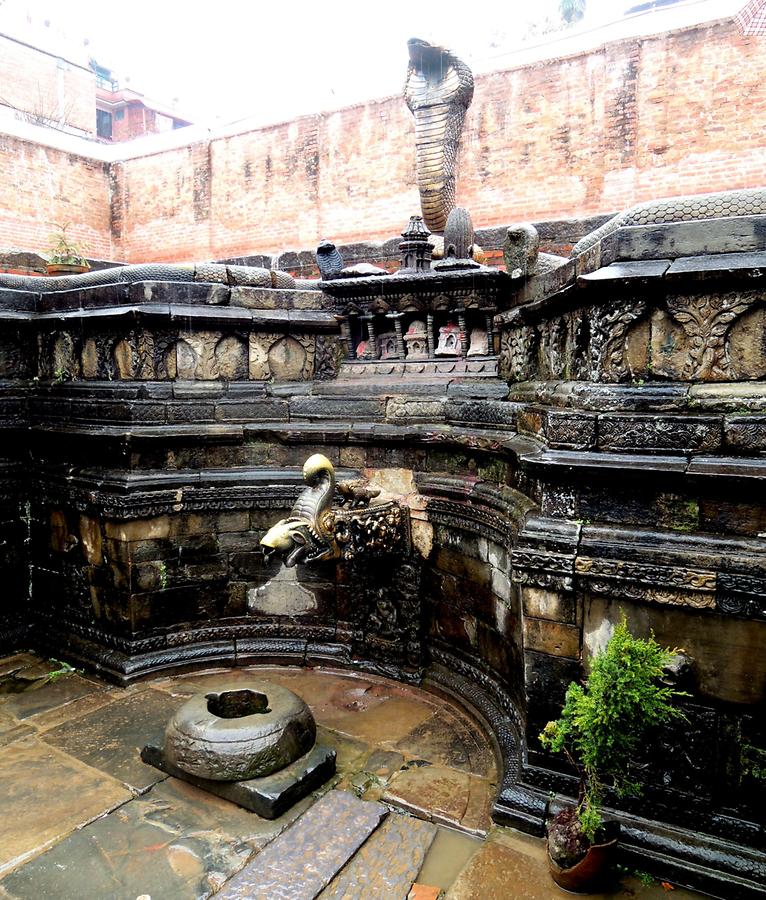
{"x": 448, "y": 855}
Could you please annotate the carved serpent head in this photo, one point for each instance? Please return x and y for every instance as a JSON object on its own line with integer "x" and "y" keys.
{"x": 288, "y": 539}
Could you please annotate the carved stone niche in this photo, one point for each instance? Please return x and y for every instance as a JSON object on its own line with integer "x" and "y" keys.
{"x": 387, "y": 345}
{"x": 449, "y": 340}
{"x": 478, "y": 345}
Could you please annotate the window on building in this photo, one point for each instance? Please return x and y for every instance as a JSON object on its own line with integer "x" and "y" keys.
{"x": 104, "y": 124}
{"x": 119, "y": 114}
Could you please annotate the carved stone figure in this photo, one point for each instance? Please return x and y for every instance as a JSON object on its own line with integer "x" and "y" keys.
{"x": 520, "y": 250}
{"x": 356, "y": 492}
{"x": 438, "y": 91}
{"x": 478, "y": 345}
{"x": 329, "y": 260}
{"x": 314, "y": 531}
{"x": 458, "y": 242}
{"x": 307, "y": 534}
{"x": 750, "y": 202}
{"x": 208, "y": 273}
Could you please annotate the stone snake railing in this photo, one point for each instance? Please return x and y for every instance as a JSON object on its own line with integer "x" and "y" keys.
{"x": 723, "y": 204}
{"x": 250, "y": 276}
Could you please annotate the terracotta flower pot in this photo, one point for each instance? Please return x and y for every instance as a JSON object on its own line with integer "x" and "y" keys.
{"x": 588, "y": 874}
{"x": 65, "y": 269}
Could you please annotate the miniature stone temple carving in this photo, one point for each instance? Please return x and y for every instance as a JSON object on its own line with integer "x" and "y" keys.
{"x": 415, "y": 248}
{"x": 416, "y": 339}
{"x": 388, "y": 345}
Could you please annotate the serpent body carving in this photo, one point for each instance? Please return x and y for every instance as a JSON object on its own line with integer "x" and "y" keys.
{"x": 723, "y": 204}
{"x": 251, "y": 276}
{"x": 438, "y": 91}
{"x": 307, "y": 534}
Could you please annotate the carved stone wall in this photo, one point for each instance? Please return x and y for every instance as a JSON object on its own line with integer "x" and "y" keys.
{"x": 700, "y": 337}
{"x": 154, "y": 433}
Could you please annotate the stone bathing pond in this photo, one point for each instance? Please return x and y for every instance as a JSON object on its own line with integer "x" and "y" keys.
{"x": 297, "y": 572}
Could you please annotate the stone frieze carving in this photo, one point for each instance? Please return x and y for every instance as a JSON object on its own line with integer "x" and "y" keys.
{"x": 140, "y": 354}
{"x": 686, "y": 337}
{"x": 661, "y": 575}
{"x": 609, "y": 327}
{"x": 706, "y": 319}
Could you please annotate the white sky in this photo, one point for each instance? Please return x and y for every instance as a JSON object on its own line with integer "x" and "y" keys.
{"x": 273, "y": 60}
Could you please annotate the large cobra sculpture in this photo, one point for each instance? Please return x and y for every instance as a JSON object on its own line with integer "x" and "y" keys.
{"x": 438, "y": 91}
{"x": 307, "y": 534}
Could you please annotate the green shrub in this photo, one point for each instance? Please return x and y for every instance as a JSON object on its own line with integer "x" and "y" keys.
{"x": 603, "y": 723}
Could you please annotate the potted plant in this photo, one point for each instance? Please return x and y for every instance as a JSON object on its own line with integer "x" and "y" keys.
{"x": 601, "y": 729}
{"x": 65, "y": 257}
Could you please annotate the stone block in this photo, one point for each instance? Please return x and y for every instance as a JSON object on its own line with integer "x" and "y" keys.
{"x": 555, "y": 606}
{"x": 553, "y": 638}
{"x": 269, "y": 796}
{"x": 309, "y": 855}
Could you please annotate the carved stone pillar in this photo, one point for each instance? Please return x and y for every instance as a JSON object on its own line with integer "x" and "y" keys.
{"x": 430, "y": 335}
{"x": 373, "y": 341}
{"x": 397, "y": 318}
{"x": 463, "y": 333}
{"x": 345, "y": 336}
{"x": 489, "y": 318}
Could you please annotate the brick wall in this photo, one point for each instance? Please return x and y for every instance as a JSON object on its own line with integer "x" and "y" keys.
{"x": 640, "y": 118}
{"x": 671, "y": 114}
{"x": 41, "y": 185}
{"x": 42, "y": 83}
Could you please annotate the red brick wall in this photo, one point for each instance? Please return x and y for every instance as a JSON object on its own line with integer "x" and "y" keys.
{"x": 37, "y": 82}
{"x": 638, "y": 119}
{"x": 641, "y": 118}
{"x": 40, "y": 185}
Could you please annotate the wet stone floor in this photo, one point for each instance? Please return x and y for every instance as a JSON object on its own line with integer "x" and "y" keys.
{"x": 83, "y": 817}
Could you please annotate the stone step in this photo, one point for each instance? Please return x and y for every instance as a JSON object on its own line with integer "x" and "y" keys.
{"x": 387, "y": 864}
{"x": 303, "y": 860}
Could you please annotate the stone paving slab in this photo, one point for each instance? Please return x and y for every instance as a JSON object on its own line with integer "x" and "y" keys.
{"x": 447, "y": 857}
{"x": 49, "y": 696}
{"x": 447, "y": 740}
{"x": 16, "y": 662}
{"x": 110, "y": 739}
{"x": 174, "y": 842}
{"x": 45, "y": 795}
{"x": 11, "y": 730}
{"x": 520, "y": 861}
{"x": 306, "y": 857}
{"x": 387, "y": 863}
{"x": 442, "y": 795}
{"x": 70, "y": 711}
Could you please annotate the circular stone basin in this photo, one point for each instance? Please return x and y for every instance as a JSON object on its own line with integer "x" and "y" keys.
{"x": 239, "y": 732}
